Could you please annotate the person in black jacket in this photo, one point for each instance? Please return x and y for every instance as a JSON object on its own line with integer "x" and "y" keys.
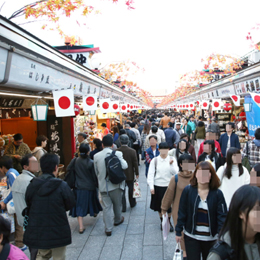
{"x": 85, "y": 187}
{"x": 48, "y": 199}
{"x": 202, "y": 212}
{"x": 131, "y": 135}
{"x": 209, "y": 154}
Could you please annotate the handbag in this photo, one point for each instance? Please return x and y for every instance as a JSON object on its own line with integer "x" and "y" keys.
{"x": 10, "y": 218}
{"x": 10, "y": 207}
{"x": 245, "y": 160}
{"x": 178, "y": 253}
{"x": 137, "y": 190}
{"x": 165, "y": 226}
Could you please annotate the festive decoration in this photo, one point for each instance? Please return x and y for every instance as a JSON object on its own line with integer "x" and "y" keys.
{"x": 105, "y": 105}
{"x": 227, "y": 107}
{"x": 216, "y": 104}
{"x": 64, "y": 102}
{"x": 205, "y": 105}
{"x": 236, "y": 100}
{"x": 89, "y": 102}
{"x": 256, "y": 98}
{"x": 115, "y": 106}
{"x": 76, "y": 109}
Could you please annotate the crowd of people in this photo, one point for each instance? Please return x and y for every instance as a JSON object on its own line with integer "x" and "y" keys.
{"x": 198, "y": 177}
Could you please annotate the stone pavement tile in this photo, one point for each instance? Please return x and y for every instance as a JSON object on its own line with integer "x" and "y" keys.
{"x": 136, "y": 220}
{"x": 118, "y": 236}
{"x": 99, "y": 228}
{"x": 126, "y": 215}
{"x": 73, "y": 222}
{"x": 133, "y": 247}
{"x": 152, "y": 235}
{"x": 135, "y": 229}
{"x": 73, "y": 253}
{"x": 152, "y": 253}
{"x": 169, "y": 246}
{"x": 79, "y": 240}
{"x": 139, "y": 209}
{"x": 111, "y": 253}
{"x": 152, "y": 217}
{"x": 92, "y": 248}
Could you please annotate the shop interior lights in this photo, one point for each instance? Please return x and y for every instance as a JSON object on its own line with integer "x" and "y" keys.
{"x": 39, "y": 111}
{"x": 248, "y": 107}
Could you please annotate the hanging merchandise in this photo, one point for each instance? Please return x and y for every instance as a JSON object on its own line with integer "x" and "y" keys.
{"x": 227, "y": 107}
{"x": 205, "y": 105}
{"x": 236, "y": 100}
{"x": 256, "y": 98}
{"x": 216, "y": 104}
{"x": 105, "y": 105}
{"x": 115, "y": 106}
{"x": 123, "y": 107}
{"x": 64, "y": 102}
{"x": 89, "y": 102}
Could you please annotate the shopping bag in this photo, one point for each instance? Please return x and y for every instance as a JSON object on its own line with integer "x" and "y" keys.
{"x": 178, "y": 253}
{"x": 10, "y": 218}
{"x": 165, "y": 226}
{"x": 137, "y": 190}
{"x": 10, "y": 207}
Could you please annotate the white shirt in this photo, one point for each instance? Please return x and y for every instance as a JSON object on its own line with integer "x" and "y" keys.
{"x": 164, "y": 171}
{"x": 160, "y": 133}
{"x": 229, "y": 186}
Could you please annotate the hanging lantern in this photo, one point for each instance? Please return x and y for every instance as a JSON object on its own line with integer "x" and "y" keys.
{"x": 76, "y": 109}
{"x": 39, "y": 112}
{"x": 227, "y": 107}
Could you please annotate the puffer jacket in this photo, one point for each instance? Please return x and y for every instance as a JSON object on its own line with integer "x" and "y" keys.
{"x": 48, "y": 199}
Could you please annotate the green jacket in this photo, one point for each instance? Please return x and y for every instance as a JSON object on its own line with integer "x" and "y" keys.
{"x": 200, "y": 132}
{"x": 187, "y": 129}
{"x": 22, "y": 150}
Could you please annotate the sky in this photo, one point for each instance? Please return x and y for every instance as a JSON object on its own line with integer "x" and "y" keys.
{"x": 167, "y": 38}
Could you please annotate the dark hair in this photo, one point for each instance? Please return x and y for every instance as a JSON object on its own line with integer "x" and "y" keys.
{"x": 153, "y": 136}
{"x": 146, "y": 129}
{"x": 163, "y": 145}
{"x": 18, "y": 137}
{"x": 200, "y": 124}
{"x": 84, "y": 149}
{"x": 115, "y": 130}
{"x": 231, "y": 124}
{"x": 40, "y": 139}
{"x": 170, "y": 124}
{"x": 243, "y": 201}
{"x": 213, "y": 153}
{"x": 200, "y": 117}
{"x": 154, "y": 129}
{"x": 48, "y": 162}
{"x": 214, "y": 183}
{"x": 83, "y": 135}
{"x": 98, "y": 143}
{"x": 122, "y": 131}
{"x": 178, "y": 149}
{"x": 257, "y": 169}
{"x": 257, "y": 133}
{"x": 124, "y": 139}
{"x": 228, "y": 171}
{"x": 107, "y": 140}
{"x": 184, "y": 157}
{"x": 25, "y": 160}
{"x": 6, "y": 162}
{"x": 185, "y": 135}
{"x": 5, "y": 229}
{"x": 133, "y": 124}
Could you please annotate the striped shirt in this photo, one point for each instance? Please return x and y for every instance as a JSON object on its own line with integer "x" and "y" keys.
{"x": 202, "y": 229}
{"x": 253, "y": 153}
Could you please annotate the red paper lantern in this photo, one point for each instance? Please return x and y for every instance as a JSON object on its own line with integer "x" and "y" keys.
{"x": 76, "y": 109}
{"x": 227, "y": 106}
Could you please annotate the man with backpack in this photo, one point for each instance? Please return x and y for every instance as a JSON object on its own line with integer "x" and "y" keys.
{"x": 109, "y": 166}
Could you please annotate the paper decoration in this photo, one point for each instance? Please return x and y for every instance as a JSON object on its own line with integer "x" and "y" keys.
{"x": 205, "y": 105}
{"x": 198, "y": 103}
{"x": 236, "y": 100}
{"x": 89, "y": 102}
{"x": 216, "y": 104}
{"x": 191, "y": 105}
{"x": 105, "y": 105}
{"x": 64, "y": 102}
{"x": 115, "y": 106}
{"x": 256, "y": 98}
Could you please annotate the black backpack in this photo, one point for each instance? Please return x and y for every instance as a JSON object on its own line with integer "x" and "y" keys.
{"x": 115, "y": 173}
{"x": 70, "y": 176}
{"x": 223, "y": 250}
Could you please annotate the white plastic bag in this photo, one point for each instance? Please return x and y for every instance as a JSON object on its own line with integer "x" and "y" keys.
{"x": 137, "y": 190}
{"x": 10, "y": 218}
{"x": 178, "y": 253}
{"x": 165, "y": 226}
{"x": 10, "y": 207}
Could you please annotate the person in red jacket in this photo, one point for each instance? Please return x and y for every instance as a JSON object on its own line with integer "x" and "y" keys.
{"x": 210, "y": 136}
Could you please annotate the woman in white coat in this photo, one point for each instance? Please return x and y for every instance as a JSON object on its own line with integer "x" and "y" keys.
{"x": 232, "y": 175}
{"x": 161, "y": 170}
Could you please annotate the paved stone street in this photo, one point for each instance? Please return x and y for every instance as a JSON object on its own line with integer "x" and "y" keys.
{"x": 139, "y": 237}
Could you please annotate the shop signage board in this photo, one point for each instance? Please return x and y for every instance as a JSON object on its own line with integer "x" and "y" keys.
{"x": 11, "y": 102}
{"x": 3, "y": 58}
{"x": 55, "y": 136}
{"x": 252, "y": 117}
{"x": 218, "y": 93}
{"x": 245, "y": 87}
{"x": 81, "y": 57}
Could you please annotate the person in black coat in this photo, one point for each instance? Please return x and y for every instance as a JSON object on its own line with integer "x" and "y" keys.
{"x": 48, "y": 199}
{"x": 210, "y": 154}
{"x": 202, "y": 212}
